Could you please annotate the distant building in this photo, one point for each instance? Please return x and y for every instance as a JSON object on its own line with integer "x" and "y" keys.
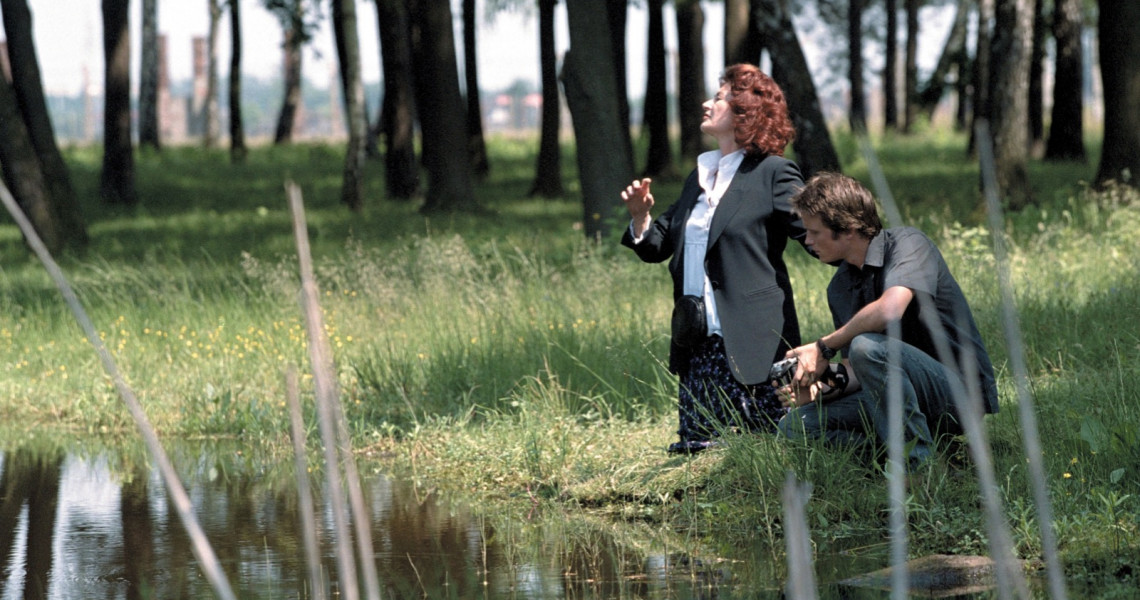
{"x": 172, "y": 115}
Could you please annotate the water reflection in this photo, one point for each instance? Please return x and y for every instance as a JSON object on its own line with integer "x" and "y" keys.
{"x": 29, "y": 492}
{"x": 97, "y": 525}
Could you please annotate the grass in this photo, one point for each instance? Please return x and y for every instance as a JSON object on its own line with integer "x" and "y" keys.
{"x": 499, "y": 355}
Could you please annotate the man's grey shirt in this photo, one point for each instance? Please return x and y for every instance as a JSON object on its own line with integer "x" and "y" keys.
{"x": 904, "y": 256}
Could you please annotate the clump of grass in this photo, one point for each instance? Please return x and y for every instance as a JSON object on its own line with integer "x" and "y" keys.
{"x": 501, "y": 355}
{"x": 459, "y": 330}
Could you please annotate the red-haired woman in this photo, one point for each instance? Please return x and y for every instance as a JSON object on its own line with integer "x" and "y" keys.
{"x": 724, "y": 239}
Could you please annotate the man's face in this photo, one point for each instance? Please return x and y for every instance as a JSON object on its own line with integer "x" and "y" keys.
{"x": 718, "y": 119}
{"x": 828, "y": 245}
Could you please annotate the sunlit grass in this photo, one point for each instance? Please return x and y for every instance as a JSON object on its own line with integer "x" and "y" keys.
{"x": 500, "y": 354}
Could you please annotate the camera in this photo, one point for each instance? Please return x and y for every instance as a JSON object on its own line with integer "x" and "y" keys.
{"x": 782, "y": 371}
{"x": 835, "y": 376}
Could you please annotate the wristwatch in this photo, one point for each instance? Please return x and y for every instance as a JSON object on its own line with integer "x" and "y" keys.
{"x": 827, "y": 353}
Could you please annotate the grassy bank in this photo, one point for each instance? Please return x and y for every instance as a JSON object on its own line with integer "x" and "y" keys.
{"x": 500, "y": 355}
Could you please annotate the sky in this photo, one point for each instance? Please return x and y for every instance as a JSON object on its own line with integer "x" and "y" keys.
{"x": 68, "y": 36}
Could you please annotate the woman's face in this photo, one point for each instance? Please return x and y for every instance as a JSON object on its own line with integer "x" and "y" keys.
{"x": 719, "y": 120}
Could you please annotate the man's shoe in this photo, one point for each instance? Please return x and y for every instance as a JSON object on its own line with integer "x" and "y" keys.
{"x": 691, "y": 446}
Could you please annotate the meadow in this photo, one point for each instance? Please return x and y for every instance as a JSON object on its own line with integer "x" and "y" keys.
{"x": 500, "y": 355}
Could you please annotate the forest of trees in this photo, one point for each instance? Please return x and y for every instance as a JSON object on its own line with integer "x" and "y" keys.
{"x": 993, "y": 63}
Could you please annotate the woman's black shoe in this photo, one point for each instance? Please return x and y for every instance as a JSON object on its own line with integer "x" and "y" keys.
{"x": 691, "y": 446}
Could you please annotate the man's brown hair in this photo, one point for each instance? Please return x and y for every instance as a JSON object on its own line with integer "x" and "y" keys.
{"x": 841, "y": 203}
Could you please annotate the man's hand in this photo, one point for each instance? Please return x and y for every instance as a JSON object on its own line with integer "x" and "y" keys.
{"x": 638, "y": 201}
{"x": 811, "y": 365}
{"x": 797, "y": 395}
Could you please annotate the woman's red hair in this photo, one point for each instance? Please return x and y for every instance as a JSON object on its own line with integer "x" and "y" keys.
{"x": 762, "y": 122}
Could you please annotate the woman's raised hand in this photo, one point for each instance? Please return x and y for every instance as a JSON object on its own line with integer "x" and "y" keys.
{"x": 638, "y": 201}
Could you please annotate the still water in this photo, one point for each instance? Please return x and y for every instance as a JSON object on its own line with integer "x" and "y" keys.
{"x": 97, "y": 524}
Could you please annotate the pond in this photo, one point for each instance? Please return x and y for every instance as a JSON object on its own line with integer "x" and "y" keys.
{"x": 97, "y": 524}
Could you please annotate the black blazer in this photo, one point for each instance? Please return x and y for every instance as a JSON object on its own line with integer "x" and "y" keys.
{"x": 744, "y": 262}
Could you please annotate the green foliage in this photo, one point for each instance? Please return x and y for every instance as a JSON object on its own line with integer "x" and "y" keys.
{"x": 501, "y": 354}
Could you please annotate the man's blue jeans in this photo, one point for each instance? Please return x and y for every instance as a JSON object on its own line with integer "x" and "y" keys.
{"x": 858, "y": 418}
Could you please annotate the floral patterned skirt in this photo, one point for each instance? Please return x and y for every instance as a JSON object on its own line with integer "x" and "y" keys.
{"x": 711, "y": 400}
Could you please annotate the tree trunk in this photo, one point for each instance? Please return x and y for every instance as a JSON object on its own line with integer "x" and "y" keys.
{"x": 1066, "y": 125}
{"x": 397, "y": 112}
{"x": 442, "y": 115}
{"x": 548, "y": 168}
{"x": 813, "y": 147}
{"x": 617, "y": 12}
{"x": 858, "y": 116}
{"x": 117, "y": 185}
{"x": 237, "y": 129}
{"x": 32, "y": 105}
{"x": 593, "y": 98}
{"x": 1119, "y": 48}
{"x": 931, "y": 93}
{"x": 983, "y": 57}
{"x": 890, "y": 68}
{"x": 741, "y": 39}
{"x": 910, "y": 70}
{"x": 22, "y": 173}
{"x": 476, "y": 145}
{"x": 1012, "y": 47}
{"x": 691, "y": 92}
{"x": 352, "y": 186}
{"x": 294, "y": 40}
{"x": 210, "y": 121}
{"x": 965, "y": 89}
{"x": 1036, "y": 104}
{"x": 655, "y": 118}
{"x": 148, "y": 78}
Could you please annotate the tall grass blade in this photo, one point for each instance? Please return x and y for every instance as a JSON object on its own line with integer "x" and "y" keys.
{"x": 324, "y": 384}
{"x": 896, "y": 465}
{"x": 879, "y": 181}
{"x": 896, "y": 451}
{"x": 304, "y": 493}
{"x": 356, "y": 503}
{"x": 968, "y": 402}
{"x": 199, "y": 544}
{"x": 1016, "y": 351}
{"x": 801, "y": 577}
{"x": 1009, "y": 576}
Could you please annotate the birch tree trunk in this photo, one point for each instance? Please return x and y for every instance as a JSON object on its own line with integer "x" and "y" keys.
{"x": 1120, "y": 71}
{"x": 655, "y": 114}
{"x": 604, "y": 164}
{"x": 476, "y": 145}
{"x": 210, "y": 120}
{"x": 548, "y": 167}
{"x": 1012, "y": 48}
{"x": 691, "y": 87}
{"x": 149, "y": 132}
{"x": 397, "y": 112}
{"x": 117, "y": 183}
{"x": 813, "y": 147}
{"x": 27, "y": 86}
{"x": 1066, "y": 139}
{"x": 858, "y": 115}
{"x": 441, "y": 112}
{"x": 352, "y": 185}
{"x": 237, "y": 129}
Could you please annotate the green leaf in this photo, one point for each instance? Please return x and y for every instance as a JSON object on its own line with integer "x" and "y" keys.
{"x": 1094, "y": 433}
